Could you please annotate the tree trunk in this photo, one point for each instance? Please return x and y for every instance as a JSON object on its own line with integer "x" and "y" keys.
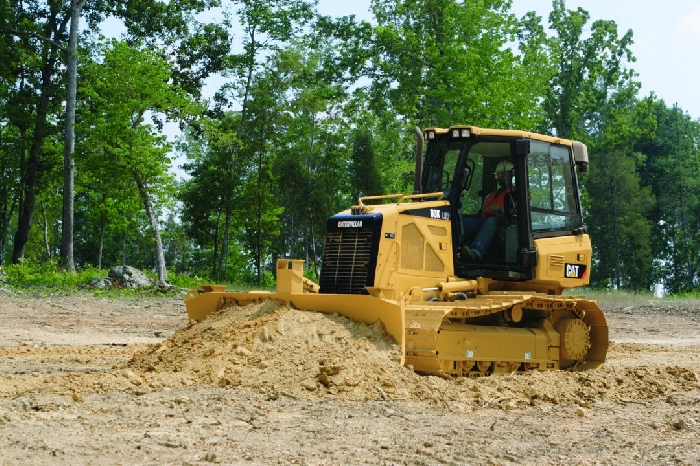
{"x": 124, "y": 250}
{"x": 616, "y": 236}
{"x": 222, "y": 269}
{"x": 258, "y": 252}
{"x": 148, "y": 205}
{"x": 17, "y": 197}
{"x": 103, "y": 227}
{"x": 69, "y": 139}
{"x": 6, "y": 216}
{"x": 45, "y": 229}
{"x": 34, "y": 163}
{"x": 216, "y": 245}
{"x": 28, "y": 186}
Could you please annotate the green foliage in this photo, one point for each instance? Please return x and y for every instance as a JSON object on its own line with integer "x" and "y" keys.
{"x": 444, "y": 62}
{"x": 314, "y": 112}
{"x": 185, "y": 281}
{"x": 608, "y": 297}
{"x": 364, "y": 170}
{"x": 688, "y": 296}
{"x": 670, "y": 171}
{"x": 48, "y": 276}
{"x": 586, "y": 70}
{"x": 620, "y": 232}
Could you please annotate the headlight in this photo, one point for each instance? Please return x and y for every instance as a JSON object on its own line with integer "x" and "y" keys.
{"x": 461, "y": 133}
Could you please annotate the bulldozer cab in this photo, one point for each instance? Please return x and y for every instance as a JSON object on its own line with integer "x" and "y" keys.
{"x": 506, "y": 190}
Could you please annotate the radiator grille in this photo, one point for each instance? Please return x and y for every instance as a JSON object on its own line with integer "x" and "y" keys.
{"x": 556, "y": 261}
{"x": 348, "y": 261}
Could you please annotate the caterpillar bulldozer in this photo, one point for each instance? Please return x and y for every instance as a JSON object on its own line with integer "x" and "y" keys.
{"x": 407, "y": 260}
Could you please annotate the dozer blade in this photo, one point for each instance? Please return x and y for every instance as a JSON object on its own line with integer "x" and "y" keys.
{"x": 360, "y": 308}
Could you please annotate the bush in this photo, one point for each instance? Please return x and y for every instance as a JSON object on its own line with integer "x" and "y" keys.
{"x": 47, "y": 275}
{"x": 47, "y": 278}
{"x": 186, "y": 281}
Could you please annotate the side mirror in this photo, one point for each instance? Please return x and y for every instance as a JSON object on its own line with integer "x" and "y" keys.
{"x": 580, "y": 156}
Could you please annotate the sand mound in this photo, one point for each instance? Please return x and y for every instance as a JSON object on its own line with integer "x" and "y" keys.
{"x": 271, "y": 348}
{"x": 275, "y": 350}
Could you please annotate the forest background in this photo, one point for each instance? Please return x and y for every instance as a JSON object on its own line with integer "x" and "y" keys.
{"x": 310, "y": 112}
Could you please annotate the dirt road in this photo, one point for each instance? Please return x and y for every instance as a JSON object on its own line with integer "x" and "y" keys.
{"x": 92, "y": 381}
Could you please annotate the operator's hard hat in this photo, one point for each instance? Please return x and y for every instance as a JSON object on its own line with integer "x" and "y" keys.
{"x": 503, "y": 167}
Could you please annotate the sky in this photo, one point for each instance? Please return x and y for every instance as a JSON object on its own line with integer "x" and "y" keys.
{"x": 666, "y": 38}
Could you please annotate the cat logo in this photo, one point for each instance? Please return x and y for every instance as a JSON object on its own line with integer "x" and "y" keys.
{"x": 575, "y": 270}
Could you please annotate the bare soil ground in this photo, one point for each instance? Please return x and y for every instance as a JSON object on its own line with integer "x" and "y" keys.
{"x": 85, "y": 380}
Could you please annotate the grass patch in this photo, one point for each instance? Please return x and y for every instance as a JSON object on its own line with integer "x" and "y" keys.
{"x": 47, "y": 279}
{"x": 620, "y": 298}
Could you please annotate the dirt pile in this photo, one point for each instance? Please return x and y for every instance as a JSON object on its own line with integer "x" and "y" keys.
{"x": 277, "y": 350}
{"x": 274, "y": 349}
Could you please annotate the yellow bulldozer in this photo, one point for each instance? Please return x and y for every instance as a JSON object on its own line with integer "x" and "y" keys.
{"x": 466, "y": 273}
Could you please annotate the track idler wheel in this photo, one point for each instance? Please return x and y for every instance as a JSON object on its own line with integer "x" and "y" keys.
{"x": 483, "y": 366}
{"x": 575, "y": 341}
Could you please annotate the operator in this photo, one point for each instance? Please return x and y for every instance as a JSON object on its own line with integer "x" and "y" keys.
{"x": 483, "y": 227}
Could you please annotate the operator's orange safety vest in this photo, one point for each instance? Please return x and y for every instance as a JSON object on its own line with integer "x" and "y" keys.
{"x": 493, "y": 205}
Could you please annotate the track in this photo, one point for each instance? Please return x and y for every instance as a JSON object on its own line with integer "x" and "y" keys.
{"x": 502, "y": 332}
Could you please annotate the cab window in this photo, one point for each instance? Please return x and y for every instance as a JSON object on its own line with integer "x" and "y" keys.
{"x": 441, "y": 162}
{"x": 552, "y": 188}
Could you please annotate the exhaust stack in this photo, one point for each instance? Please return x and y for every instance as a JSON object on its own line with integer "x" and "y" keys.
{"x": 419, "y": 160}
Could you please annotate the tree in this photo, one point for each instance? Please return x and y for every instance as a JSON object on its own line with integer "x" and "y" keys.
{"x": 587, "y": 71}
{"x": 619, "y": 229}
{"x": 313, "y": 141}
{"x": 40, "y": 34}
{"x": 231, "y": 137}
{"x": 120, "y": 91}
{"x": 673, "y": 160}
{"x": 209, "y": 195}
{"x": 69, "y": 136}
{"x": 44, "y": 43}
{"x": 443, "y": 62}
{"x": 364, "y": 172}
{"x": 12, "y": 140}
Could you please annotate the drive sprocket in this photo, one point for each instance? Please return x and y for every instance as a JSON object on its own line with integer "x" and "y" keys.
{"x": 575, "y": 340}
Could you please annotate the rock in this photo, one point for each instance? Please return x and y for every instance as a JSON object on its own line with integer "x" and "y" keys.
{"x": 132, "y": 377}
{"x": 580, "y": 412}
{"x": 324, "y": 379}
{"x": 100, "y": 282}
{"x": 130, "y": 277}
{"x": 211, "y": 458}
{"x": 310, "y": 385}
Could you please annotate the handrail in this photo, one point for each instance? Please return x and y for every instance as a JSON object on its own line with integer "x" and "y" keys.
{"x": 402, "y": 197}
